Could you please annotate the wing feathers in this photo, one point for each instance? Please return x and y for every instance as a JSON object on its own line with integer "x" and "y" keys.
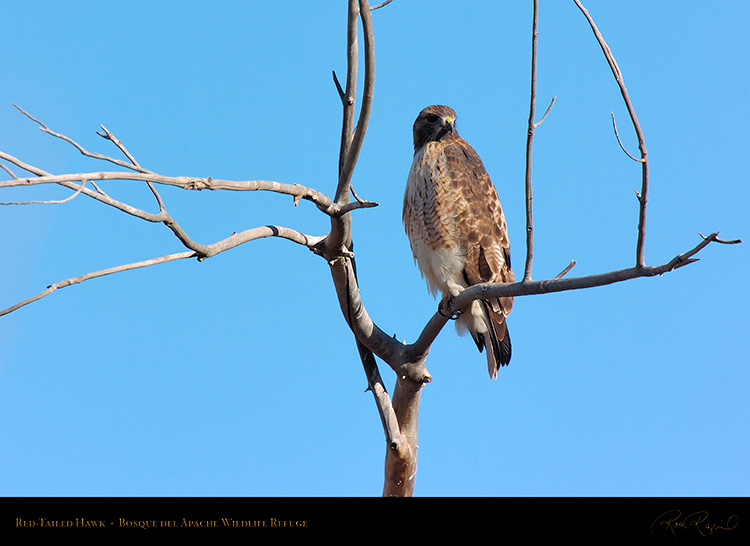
{"x": 499, "y": 351}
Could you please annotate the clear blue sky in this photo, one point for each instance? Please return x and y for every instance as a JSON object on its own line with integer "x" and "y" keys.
{"x": 238, "y": 376}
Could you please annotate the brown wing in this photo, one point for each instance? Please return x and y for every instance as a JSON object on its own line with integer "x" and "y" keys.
{"x": 484, "y": 240}
{"x": 481, "y": 223}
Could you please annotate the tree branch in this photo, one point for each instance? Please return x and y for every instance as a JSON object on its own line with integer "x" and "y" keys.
{"x": 96, "y": 274}
{"x": 643, "y": 195}
{"x": 490, "y": 290}
{"x": 529, "y": 143}
{"x": 80, "y": 148}
{"x": 111, "y": 137}
{"x": 487, "y": 291}
{"x": 234, "y": 240}
{"x": 351, "y": 152}
{"x": 349, "y": 96}
{"x": 52, "y": 202}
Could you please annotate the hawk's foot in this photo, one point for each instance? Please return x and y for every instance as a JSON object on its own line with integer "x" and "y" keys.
{"x": 444, "y": 308}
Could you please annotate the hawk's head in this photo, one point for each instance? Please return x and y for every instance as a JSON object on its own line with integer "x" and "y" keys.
{"x": 434, "y": 123}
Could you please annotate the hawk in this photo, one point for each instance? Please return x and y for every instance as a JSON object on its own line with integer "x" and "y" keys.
{"x": 456, "y": 228}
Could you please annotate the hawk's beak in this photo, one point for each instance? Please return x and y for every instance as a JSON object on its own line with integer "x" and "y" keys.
{"x": 450, "y": 124}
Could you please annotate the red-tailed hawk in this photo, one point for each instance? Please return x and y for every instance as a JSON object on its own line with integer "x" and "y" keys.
{"x": 456, "y": 228}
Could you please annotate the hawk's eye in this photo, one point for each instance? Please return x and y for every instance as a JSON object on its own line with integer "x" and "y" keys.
{"x": 432, "y": 118}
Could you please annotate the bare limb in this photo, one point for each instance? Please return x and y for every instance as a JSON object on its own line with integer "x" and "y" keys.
{"x": 75, "y": 144}
{"x": 382, "y": 400}
{"x": 96, "y": 274}
{"x": 398, "y": 356}
{"x": 136, "y": 172}
{"x": 230, "y": 242}
{"x": 297, "y": 191}
{"x": 25, "y": 166}
{"x": 68, "y": 181}
{"x": 355, "y": 146}
{"x": 349, "y": 96}
{"x": 237, "y": 239}
{"x": 322, "y": 201}
{"x": 529, "y": 144}
{"x": 486, "y": 291}
{"x": 117, "y": 142}
{"x": 56, "y": 202}
{"x": 643, "y": 196}
{"x": 489, "y": 290}
{"x": 97, "y": 188}
{"x": 714, "y": 238}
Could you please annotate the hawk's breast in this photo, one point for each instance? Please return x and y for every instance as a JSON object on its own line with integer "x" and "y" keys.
{"x": 429, "y": 215}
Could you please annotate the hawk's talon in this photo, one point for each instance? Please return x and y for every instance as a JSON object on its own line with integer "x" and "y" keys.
{"x": 452, "y": 316}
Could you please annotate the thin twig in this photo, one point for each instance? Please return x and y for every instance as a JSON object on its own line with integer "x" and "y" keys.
{"x": 80, "y": 148}
{"x": 133, "y": 164}
{"x": 373, "y": 8}
{"x": 614, "y": 126}
{"x": 68, "y": 181}
{"x": 98, "y": 189}
{"x": 108, "y": 135}
{"x": 57, "y": 202}
{"x": 32, "y": 118}
{"x": 7, "y": 170}
{"x": 357, "y": 197}
{"x": 25, "y": 166}
{"x": 714, "y": 237}
{"x": 342, "y": 95}
{"x": 354, "y": 205}
{"x": 565, "y": 271}
{"x": 538, "y": 123}
{"x": 95, "y": 274}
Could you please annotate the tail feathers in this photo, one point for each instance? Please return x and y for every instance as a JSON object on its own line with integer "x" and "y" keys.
{"x": 499, "y": 348}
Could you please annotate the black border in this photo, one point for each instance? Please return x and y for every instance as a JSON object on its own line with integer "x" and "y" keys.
{"x": 671, "y": 519}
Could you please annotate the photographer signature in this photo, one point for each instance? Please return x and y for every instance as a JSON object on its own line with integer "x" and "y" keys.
{"x": 674, "y": 521}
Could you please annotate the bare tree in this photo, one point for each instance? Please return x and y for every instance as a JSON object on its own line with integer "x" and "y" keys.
{"x": 398, "y": 411}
